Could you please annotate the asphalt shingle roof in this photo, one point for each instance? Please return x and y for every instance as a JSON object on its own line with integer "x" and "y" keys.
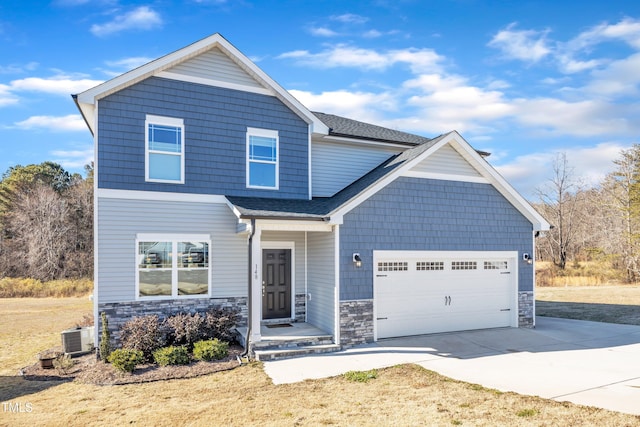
{"x": 342, "y": 126}
{"x": 319, "y": 208}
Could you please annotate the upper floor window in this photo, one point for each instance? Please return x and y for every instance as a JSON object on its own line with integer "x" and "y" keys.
{"x": 164, "y": 149}
{"x": 262, "y": 158}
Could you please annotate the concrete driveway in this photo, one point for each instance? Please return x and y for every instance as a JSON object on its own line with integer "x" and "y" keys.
{"x": 589, "y": 363}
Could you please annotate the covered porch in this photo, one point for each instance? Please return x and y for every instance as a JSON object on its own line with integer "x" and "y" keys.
{"x": 293, "y": 287}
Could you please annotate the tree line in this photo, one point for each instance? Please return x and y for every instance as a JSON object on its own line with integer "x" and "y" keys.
{"x": 593, "y": 223}
{"x": 46, "y": 222}
{"x": 46, "y": 219}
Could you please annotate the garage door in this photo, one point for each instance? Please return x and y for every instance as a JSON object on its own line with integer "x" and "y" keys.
{"x": 428, "y": 292}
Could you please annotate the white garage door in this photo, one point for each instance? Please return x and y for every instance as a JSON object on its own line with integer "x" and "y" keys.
{"x": 423, "y": 292}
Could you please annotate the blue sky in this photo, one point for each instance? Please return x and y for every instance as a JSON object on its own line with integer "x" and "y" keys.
{"x": 523, "y": 80}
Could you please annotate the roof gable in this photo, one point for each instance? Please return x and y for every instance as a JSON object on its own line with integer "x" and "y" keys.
{"x": 334, "y": 208}
{"x": 215, "y": 68}
{"x": 174, "y": 61}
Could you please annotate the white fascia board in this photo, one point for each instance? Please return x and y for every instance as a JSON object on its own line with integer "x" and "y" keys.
{"x": 106, "y": 193}
{"x": 293, "y": 225}
{"x": 499, "y": 183}
{"x": 213, "y": 82}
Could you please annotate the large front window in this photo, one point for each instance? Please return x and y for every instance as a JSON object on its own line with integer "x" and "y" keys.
{"x": 164, "y": 149}
{"x": 172, "y": 266}
{"x": 262, "y": 158}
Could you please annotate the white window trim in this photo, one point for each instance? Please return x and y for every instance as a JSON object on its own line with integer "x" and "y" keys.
{"x": 174, "y": 238}
{"x": 267, "y": 133}
{"x": 163, "y": 121}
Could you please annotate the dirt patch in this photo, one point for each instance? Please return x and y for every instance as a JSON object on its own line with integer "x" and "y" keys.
{"x": 88, "y": 370}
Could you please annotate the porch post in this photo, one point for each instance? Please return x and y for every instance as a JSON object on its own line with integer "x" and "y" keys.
{"x": 256, "y": 285}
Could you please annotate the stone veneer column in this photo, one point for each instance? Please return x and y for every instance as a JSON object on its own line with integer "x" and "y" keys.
{"x": 526, "y": 309}
{"x": 356, "y": 322}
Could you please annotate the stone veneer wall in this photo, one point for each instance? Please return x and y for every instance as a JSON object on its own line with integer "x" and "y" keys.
{"x": 356, "y": 322}
{"x": 301, "y": 308}
{"x": 526, "y": 309}
{"x": 119, "y": 313}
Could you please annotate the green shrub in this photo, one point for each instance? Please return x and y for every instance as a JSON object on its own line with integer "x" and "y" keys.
{"x": 144, "y": 333}
{"x": 105, "y": 338}
{"x": 361, "y": 376}
{"x": 210, "y": 350}
{"x": 185, "y": 329}
{"x": 220, "y": 323}
{"x": 126, "y": 360}
{"x": 172, "y": 355}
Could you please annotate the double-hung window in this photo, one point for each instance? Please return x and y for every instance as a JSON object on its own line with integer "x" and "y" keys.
{"x": 172, "y": 266}
{"x": 164, "y": 149}
{"x": 262, "y": 158}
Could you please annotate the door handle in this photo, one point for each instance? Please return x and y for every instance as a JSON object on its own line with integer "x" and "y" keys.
{"x": 447, "y": 300}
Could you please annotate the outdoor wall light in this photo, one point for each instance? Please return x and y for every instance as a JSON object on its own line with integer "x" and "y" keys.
{"x": 357, "y": 260}
{"x": 527, "y": 258}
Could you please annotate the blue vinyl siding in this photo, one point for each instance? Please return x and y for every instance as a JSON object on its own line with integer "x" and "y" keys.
{"x": 216, "y": 121}
{"x": 433, "y": 215}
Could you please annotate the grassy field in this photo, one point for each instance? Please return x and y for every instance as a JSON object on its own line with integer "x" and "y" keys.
{"x": 402, "y": 395}
{"x": 612, "y": 304}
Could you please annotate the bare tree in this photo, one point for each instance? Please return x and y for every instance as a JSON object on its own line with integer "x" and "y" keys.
{"x": 559, "y": 203}
{"x": 39, "y": 226}
{"x": 622, "y": 190}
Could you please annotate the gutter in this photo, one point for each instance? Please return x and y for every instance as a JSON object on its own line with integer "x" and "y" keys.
{"x": 247, "y": 344}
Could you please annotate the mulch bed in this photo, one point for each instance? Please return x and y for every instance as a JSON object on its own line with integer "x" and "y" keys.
{"x": 88, "y": 370}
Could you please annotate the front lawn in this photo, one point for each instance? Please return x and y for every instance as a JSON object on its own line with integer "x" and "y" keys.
{"x": 401, "y": 395}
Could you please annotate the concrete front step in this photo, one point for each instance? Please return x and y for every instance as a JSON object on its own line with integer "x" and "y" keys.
{"x": 286, "y": 353}
{"x": 283, "y": 344}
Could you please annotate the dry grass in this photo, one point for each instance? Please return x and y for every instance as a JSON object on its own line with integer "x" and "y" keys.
{"x": 11, "y": 287}
{"x": 30, "y": 325}
{"x": 611, "y": 304}
{"x": 402, "y": 395}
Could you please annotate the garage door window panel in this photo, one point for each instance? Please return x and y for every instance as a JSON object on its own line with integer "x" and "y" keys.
{"x": 393, "y": 266}
{"x": 464, "y": 265}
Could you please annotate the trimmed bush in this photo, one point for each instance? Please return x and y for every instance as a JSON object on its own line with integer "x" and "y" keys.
{"x": 220, "y": 323}
{"x": 105, "y": 337}
{"x": 210, "y": 350}
{"x": 172, "y": 355}
{"x": 126, "y": 360}
{"x": 185, "y": 329}
{"x": 144, "y": 333}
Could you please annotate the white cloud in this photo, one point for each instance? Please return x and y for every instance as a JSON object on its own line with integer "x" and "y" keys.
{"x": 619, "y": 78}
{"x": 449, "y": 102}
{"x": 356, "y": 105}
{"x": 419, "y": 60}
{"x": 349, "y": 18}
{"x": 591, "y": 164}
{"x": 73, "y": 159}
{"x": 71, "y": 122}
{"x": 525, "y": 45}
{"x": 322, "y": 32}
{"x": 60, "y": 85}
{"x": 6, "y": 97}
{"x": 141, "y": 18}
{"x": 581, "y": 118}
{"x": 129, "y": 63}
{"x": 18, "y": 68}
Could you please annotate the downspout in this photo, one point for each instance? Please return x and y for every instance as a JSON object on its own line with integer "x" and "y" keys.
{"x": 245, "y": 353}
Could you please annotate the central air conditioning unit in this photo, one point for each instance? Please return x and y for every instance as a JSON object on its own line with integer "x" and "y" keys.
{"x": 78, "y": 341}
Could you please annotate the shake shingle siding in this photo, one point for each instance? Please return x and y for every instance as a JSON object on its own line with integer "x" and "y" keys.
{"x": 216, "y": 120}
{"x": 430, "y": 215}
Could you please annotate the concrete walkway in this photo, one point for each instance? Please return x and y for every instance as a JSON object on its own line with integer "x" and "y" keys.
{"x": 589, "y": 363}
